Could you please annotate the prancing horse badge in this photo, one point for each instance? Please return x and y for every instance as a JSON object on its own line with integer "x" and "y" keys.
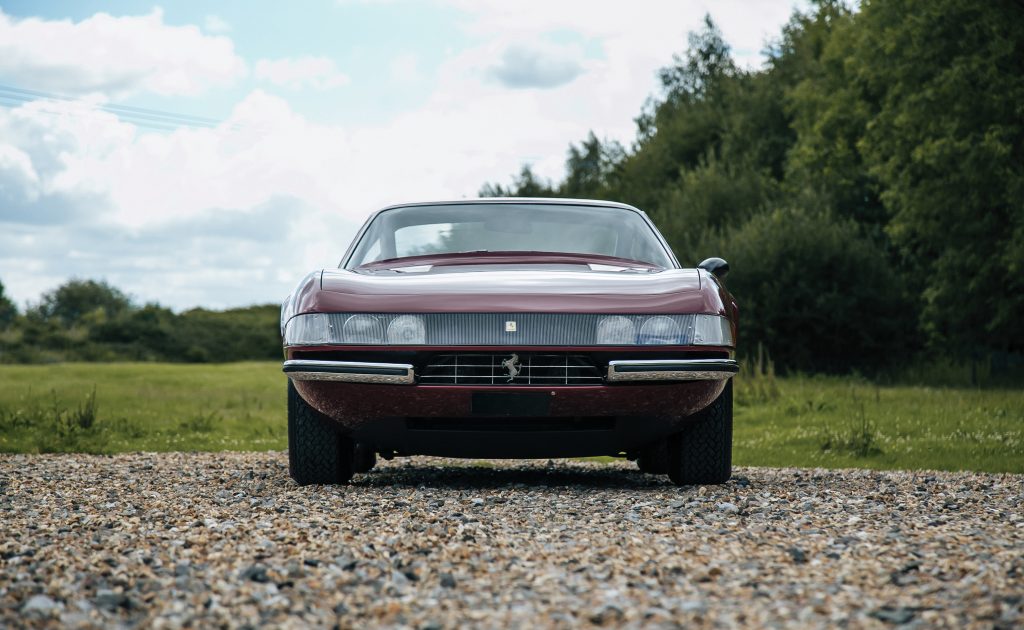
{"x": 512, "y": 367}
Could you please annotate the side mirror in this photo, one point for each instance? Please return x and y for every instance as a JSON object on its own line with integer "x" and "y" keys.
{"x": 716, "y": 266}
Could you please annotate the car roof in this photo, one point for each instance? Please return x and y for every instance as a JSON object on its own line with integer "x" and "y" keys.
{"x": 547, "y": 201}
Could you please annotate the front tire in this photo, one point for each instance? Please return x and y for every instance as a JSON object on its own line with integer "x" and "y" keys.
{"x": 317, "y": 453}
{"x": 702, "y": 452}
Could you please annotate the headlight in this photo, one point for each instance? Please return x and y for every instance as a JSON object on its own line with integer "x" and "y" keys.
{"x": 313, "y": 329}
{"x": 407, "y": 330}
{"x": 363, "y": 329}
{"x": 287, "y": 310}
{"x": 308, "y": 330}
{"x": 660, "y": 330}
{"x": 616, "y": 331}
{"x": 712, "y": 330}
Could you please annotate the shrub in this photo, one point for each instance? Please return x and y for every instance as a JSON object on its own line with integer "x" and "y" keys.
{"x": 816, "y": 292}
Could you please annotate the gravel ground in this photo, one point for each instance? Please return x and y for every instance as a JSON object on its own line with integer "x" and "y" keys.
{"x": 227, "y": 539}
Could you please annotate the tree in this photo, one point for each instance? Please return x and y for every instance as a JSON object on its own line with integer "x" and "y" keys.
{"x": 829, "y": 114}
{"x": 696, "y": 75}
{"x": 713, "y": 196}
{"x": 8, "y": 311}
{"x": 525, "y": 185}
{"x": 590, "y": 167}
{"x": 72, "y": 301}
{"x": 943, "y": 83}
{"x": 811, "y": 290}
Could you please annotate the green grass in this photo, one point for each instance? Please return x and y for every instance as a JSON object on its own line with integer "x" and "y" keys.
{"x": 847, "y": 422}
{"x": 795, "y": 421}
{"x": 143, "y": 407}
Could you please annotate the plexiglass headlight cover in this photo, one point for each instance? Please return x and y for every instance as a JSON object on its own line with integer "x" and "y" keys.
{"x": 407, "y": 330}
{"x": 363, "y": 329}
{"x": 462, "y": 329}
{"x": 664, "y": 330}
{"x": 660, "y": 330}
{"x": 616, "y": 330}
{"x": 313, "y": 329}
{"x": 712, "y": 330}
{"x": 287, "y": 310}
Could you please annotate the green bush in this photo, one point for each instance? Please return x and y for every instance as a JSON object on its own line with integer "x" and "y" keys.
{"x": 707, "y": 198}
{"x": 815, "y": 292}
{"x": 71, "y": 324}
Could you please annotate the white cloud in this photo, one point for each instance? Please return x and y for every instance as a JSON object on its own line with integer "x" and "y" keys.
{"x": 40, "y": 145}
{"x": 115, "y": 56}
{"x": 648, "y": 30}
{"x": 18, "y": 178}
{"x": 253, "y": 203}
{"x": 215, "y": 24}
{"x": 317, "y": 72}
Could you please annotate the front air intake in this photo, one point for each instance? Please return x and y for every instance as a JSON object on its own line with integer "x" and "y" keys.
{"x": 509, "y": 369}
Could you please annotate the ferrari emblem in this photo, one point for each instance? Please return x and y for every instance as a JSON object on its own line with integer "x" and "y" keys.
{"x": 510, "y": 326}
{"x": 512, "y": 366}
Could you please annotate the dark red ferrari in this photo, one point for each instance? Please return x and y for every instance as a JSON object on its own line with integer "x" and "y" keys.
{"x": 510, "y": 328}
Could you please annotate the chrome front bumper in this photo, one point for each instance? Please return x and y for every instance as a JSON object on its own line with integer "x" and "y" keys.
{"x": 672, "y": 370}
{"x": 618, "y": 371}
{"x": 350, "y": 372}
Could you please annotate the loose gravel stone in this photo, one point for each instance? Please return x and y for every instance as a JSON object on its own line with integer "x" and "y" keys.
{"x": 40, "y": 603}
{"x": 227, "y": 539}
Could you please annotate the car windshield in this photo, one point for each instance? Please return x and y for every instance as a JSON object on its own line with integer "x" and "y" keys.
{"x": 508, "y": 227}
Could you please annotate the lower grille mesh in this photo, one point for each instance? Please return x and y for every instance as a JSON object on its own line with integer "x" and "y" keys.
{"x": 510, "y": 369}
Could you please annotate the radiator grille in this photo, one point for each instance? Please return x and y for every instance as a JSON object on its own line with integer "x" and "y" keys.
{"x": 510, "y": 369}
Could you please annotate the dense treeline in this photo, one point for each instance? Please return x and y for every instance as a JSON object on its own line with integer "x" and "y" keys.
{"x": 85, "y": 320}
{"x": 866, "y": 185}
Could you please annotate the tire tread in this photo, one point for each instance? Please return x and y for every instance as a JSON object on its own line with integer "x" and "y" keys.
{"x": 317, "y": 453}
{"x": 702, "y": 452}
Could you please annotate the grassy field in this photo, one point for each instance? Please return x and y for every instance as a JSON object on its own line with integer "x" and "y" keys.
{"x": 796, "y": 421}
{"x": 142, "y": 407}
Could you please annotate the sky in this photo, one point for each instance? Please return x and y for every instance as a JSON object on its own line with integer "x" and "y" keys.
{"x": 210, "y": 154}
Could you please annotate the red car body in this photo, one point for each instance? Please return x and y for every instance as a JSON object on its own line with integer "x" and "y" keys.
{"x": 511, "y": 418}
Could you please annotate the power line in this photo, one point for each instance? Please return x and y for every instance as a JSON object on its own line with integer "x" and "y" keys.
{"x": 52, "y": 112}
{"x": 152, "y": 118}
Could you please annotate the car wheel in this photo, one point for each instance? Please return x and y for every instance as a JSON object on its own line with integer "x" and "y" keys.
{"x": 653, "y": 458}
{"x": 317, "y": 453}
{"x": 702, "y": 452}
{"x": 365, "y": 458}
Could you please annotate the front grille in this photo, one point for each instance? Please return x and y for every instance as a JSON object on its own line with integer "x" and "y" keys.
{"x": 510, "y": 369}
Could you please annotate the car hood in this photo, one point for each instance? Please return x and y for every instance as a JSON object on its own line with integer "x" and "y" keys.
{"x": 495, "y": 288}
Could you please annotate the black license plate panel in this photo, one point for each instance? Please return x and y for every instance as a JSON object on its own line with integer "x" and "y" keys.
{"x": 511, "y": 404}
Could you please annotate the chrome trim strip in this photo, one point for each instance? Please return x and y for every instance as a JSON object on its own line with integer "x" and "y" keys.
{"x": 350, "y": 372}
{"x": 672, "y": 370}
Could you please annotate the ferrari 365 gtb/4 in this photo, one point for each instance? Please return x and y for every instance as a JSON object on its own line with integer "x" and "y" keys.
{"x": 511, "y": 328}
